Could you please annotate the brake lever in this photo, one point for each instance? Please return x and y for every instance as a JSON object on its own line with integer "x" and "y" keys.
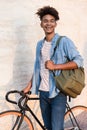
{"x": 24, "y": 105}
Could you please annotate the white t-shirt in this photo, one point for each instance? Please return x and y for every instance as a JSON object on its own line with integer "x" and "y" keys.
{"x": 45, "y": 55}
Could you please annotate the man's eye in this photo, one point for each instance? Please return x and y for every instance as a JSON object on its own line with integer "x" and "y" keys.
{"x": 51, "y": 21}
{"x": 45, "y": 21}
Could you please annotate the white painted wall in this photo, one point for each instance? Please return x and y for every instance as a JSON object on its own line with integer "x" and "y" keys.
{"x": 20, "y": 31}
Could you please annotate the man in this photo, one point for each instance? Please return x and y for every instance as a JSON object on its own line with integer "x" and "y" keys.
{"x": 52, "y": 101}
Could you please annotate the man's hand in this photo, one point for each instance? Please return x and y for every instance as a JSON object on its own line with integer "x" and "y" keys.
{"x": 27, "y": 89}
{"x": 49, "y": 65}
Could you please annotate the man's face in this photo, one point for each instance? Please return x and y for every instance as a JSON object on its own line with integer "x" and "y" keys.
{"x": 48, "y": 23}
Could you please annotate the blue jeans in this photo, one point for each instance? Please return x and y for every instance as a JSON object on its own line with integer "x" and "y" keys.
{"x": 53, "y": 110}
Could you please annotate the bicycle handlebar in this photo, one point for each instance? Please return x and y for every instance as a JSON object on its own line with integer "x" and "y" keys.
{"x": 12, "y": 92}
{"x": 24, "y": 97}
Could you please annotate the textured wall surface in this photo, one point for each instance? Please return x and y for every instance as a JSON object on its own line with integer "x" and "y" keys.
{"x": 19, "y": 33}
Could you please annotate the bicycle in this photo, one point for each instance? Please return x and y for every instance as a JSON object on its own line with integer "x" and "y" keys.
{"x": 18, "y": 120}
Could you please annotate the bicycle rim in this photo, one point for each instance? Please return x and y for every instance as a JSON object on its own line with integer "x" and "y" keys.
{"x": 80, "y": 114}
{"x": 8, "y": 119}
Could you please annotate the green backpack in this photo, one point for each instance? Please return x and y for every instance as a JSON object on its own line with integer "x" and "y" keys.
{"x": 70, "y": 82}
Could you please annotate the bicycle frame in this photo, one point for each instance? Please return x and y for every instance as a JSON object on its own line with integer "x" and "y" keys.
{"x": 24, "y": 108}
{"x": 33, "y": 114}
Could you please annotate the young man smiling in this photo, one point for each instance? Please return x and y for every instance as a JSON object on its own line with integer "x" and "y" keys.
{"x": 52, "y": 101}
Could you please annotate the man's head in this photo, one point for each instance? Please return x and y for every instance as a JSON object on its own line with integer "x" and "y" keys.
{"x": 48, "y": 10}
{"x": 48, "y": 16}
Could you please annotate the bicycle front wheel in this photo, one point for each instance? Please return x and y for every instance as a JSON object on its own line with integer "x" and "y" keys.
{"x": 80, "y": 114}
{"x": 8, "y": 120}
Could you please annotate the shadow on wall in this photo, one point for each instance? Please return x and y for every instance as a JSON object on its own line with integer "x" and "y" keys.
{"x": 85, "y": 66}
{"x": 85, "y": 56}
{"x": 23, "y": 61}
{"x": 82, "y": 99}
{"x": 22, "y": 66}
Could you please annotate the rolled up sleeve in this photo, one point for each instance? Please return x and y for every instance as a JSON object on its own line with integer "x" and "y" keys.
{"x": 72, "y": 52}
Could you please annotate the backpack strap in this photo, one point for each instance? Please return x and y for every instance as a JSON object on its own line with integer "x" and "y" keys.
{"x": 57, "y": 44}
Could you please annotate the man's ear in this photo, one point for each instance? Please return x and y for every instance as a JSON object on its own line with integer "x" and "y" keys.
{"x": 41, "y": 24}
{"x": 56, "y": 24}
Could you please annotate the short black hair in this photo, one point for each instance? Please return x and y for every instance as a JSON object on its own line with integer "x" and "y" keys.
{"x": 47, "y": 10}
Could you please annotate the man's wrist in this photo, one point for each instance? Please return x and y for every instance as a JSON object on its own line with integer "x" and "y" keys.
{"x": 56, "y": 67}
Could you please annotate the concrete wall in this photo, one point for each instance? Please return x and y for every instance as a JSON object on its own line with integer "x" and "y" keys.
{"x": 19, "y": 33}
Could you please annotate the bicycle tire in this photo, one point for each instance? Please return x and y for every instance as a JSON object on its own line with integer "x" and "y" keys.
{"x": 7, "y": 121}
{"x": 80, "y": 114}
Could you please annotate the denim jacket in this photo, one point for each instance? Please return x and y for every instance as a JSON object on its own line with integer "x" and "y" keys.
{"x": 66, "y": 49}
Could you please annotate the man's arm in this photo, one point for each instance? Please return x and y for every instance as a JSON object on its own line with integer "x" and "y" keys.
{"x": 27, "y": 89}
{"x": 69, "y": 65}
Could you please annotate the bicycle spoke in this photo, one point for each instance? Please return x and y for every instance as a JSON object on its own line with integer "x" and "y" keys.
{"x": 13, "y": 120}
{"x": 80, "y": 113}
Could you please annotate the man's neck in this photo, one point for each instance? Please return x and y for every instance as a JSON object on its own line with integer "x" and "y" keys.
{"x": 49, "y": 37}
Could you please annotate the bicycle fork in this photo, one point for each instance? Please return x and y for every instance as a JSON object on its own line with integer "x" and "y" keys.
{"x": 18, "y": 121}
